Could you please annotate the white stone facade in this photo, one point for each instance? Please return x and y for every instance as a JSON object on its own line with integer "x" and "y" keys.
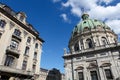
{"x": 20, "y": 46}
{"x": 94, "y": 54}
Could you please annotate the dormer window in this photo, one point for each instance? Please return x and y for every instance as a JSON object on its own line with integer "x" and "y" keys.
{"x": 86, "y": 28}
{"x": 2, "y": 23}
{"x": 6, "y": 8}
{"x": 21, "y": 18}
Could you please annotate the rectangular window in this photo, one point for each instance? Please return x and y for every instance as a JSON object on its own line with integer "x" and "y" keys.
{"x": 108, "y": 74}
{"x": 80, "y": 74}
{"x": 2, "y": 23}
{"x": 24, "y": 65}
{"x": 17, "y": 32}
{"x": 9, "y": 61}
{"x": 94, "y": 75}
{"x": 26, "y": 50}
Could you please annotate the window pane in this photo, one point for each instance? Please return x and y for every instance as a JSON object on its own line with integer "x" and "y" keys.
{"x": 9, "y": 61}
{"x": 80, "y": 74}
{"x": 35, "y": 55}
{"x": 2, "y": 23}
{"x": 26, "y": 50}
{"x": 108, "y": 74}
{"x": 36, "y": 45}
{"x": 76, "y": 47}
{"x": 24, "y": 65}
{"x": 94, "y": 75}
{"x": 34, "y": 67}
{"x": 29, "y": 40}
{"x": 14, "y": 44}
{"x": 89, "y": 43}
{"x": 17, "y": 32}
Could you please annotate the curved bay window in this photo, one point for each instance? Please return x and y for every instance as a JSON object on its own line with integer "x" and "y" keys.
{"x": 14, "y": 44}
{"x": 104, "y": 41}
{"x": 76, "y": 47}
{"x": 89, "y": 43}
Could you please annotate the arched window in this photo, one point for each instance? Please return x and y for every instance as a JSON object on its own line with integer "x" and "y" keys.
{"x": 36, "y": 45}
{"x": 34, "y": 67}
{"x": 28, "y": 39}
{"x": 89, "y": 43}
{"x": 24, "y": 65}
{"x": 104, "y": 41}
{"x": 35, "y": 55}
{"x": 27, "y": 50}
{"x": 76, "y": 47}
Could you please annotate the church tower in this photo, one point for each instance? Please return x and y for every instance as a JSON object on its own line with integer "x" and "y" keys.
{"x": 94, "y": 53}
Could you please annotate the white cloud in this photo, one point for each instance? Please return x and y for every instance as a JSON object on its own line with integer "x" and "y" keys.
{"x": 55, "y": 1}
{"x": 115, "y": 25}
{"x": 95, "y": 8}
{"x": 65, "y": 18}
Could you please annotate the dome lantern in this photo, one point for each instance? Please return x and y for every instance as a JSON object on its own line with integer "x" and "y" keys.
{"x": 85, "y": 16}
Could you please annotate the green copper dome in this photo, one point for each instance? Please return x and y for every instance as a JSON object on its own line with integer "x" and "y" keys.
{"x": 89, "y": 24}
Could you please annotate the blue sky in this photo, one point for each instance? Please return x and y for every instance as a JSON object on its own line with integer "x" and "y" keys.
{"x": 55, "y": 19}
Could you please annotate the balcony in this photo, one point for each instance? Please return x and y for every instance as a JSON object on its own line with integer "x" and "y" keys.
{"x": 13, "y": 51}
{"x": 13, "y": 71}
{"x": 16, "y": 37}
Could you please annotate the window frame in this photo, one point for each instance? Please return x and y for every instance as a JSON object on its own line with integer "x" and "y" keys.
{"x": 80, "y": 75}
{"x": 89, "y": 43}
{"x": 17, "y": 32}
{"x": 27, "y": 49}
{"x": 29, "y": 40}
{"x": 9, "y": 61}
{"x": 24, "y": 65}
{"x": 2, "y": 23}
